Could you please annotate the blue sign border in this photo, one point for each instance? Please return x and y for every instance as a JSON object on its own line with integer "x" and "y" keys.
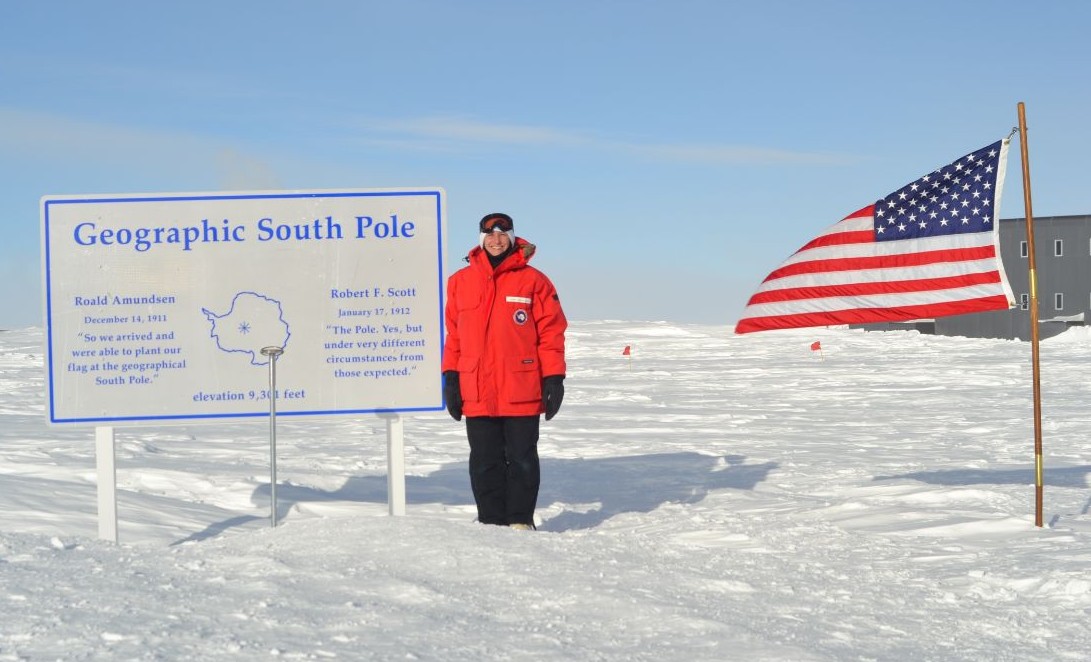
{"x": 47, "y": 202}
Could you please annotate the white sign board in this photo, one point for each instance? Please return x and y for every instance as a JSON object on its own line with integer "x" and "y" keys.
{"x": 157, "y": 306}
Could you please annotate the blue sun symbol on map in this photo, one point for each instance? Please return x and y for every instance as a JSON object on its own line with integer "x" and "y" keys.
{"x": 244, "y": 327}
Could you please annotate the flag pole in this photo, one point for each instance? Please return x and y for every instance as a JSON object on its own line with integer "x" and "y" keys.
{"x": 1038, "y": 471}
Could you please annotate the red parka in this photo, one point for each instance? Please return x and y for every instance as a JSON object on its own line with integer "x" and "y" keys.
{"x": 505, "y": 332}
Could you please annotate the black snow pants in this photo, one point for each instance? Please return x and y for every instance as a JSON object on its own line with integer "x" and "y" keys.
{"x": 504, "y": 469}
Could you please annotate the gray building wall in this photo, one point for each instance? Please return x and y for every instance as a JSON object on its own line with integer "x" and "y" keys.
{"x": 1067, "y": 274}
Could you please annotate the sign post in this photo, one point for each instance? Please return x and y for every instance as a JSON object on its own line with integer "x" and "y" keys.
{"x": 395, "y": 464}
{"x": 106, "y": 472}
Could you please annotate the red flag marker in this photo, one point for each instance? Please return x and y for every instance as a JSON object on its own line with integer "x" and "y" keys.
{"x": 626, "y": 351}
{"x": 816, "y": 346}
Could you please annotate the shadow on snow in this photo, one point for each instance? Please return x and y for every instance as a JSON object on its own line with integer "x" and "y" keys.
{"x": 1062, "y": 477}
{"x": 603, "y": 487}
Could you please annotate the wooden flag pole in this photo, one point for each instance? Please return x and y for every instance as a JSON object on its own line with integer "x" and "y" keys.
{"x": 1038, "y": 471}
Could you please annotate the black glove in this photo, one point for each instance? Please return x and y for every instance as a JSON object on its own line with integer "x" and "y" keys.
{"x": 552, "y": 394}
{"x": 452, "y": 394}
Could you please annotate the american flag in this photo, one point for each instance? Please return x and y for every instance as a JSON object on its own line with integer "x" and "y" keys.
{"x": 929, "y": 249}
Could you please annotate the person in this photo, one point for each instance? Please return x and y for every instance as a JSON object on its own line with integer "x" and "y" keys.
{"x": 503, "y": 366}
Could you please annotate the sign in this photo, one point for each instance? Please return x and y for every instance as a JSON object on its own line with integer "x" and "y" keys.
{"x": 157, "y": 306}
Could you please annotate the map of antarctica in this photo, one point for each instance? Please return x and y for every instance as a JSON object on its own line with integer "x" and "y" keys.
{"x": 253, "y": 321}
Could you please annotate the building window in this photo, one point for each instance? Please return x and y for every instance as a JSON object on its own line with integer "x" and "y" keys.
{"x": 1058, "y": 301}
{"x": 1022, "y": 249}
{"x": 1024, "y": 301}
{"x": 1058, "y": 247}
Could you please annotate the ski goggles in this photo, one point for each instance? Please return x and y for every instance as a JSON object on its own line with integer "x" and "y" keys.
{"x": 497, "y": 223}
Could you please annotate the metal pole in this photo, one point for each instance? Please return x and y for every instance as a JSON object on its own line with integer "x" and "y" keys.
{"x": 1035, "y": 368}
{"x": 272, "y": 353}
{"x": 395, "y": 464}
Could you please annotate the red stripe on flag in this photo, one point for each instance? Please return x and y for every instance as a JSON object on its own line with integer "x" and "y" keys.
{"x": 871, "y": 315}
{"x": 883, "y": 287}
{"x": 883, "y": 261}
{"x": 841, "y": 239}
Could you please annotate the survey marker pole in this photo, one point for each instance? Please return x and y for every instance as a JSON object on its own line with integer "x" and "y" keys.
{"x": 273, "y": 353}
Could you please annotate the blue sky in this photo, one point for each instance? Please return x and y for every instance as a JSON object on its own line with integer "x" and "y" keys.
{"x": 664, "y": 156}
